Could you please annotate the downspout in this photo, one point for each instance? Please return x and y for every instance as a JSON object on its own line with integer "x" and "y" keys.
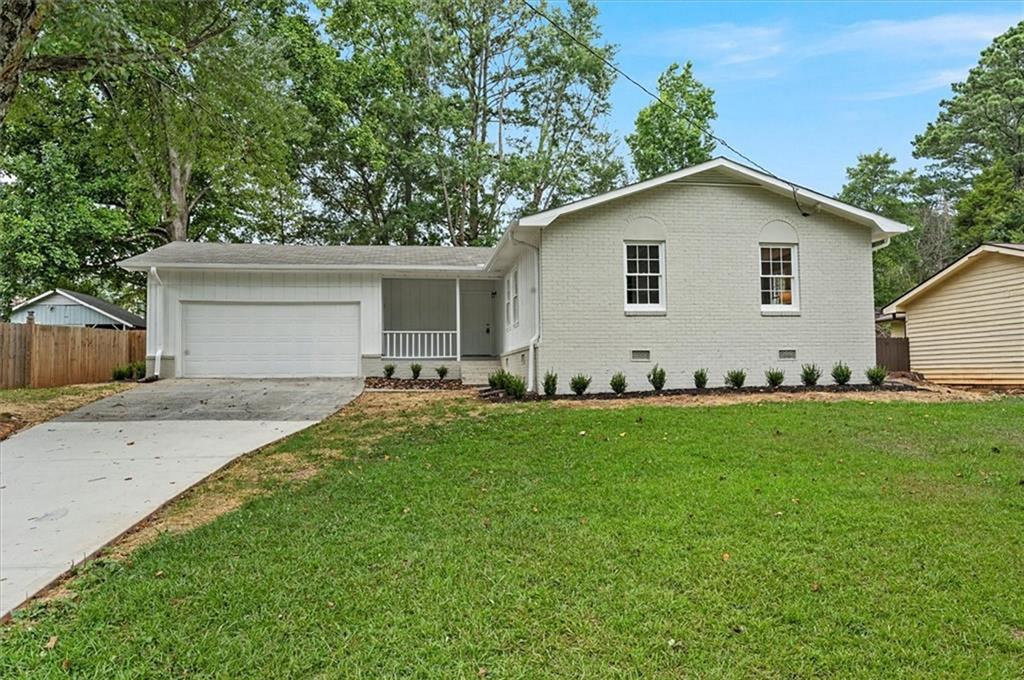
{"x": 158, "y": 322}
{"x": 531, "y": 378}
{"x": 881, "y": 244}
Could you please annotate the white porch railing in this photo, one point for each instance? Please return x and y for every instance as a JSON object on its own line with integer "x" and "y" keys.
{"x": 419, "y": 345}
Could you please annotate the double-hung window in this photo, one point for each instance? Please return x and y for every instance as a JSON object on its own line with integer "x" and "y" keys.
{"x": 512, "y": 299}
{"x": 645, "y": 276}
{"x": 779, "y": 285}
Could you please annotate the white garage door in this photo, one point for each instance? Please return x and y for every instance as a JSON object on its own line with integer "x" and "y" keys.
{"x": 269, "y": 340}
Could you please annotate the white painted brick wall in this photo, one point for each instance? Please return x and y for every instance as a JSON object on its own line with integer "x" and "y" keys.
{"x": 713, "y": 317}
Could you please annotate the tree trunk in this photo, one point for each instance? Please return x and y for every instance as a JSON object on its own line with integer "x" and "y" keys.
{"x": 20, "y": 21}
{"x": 180, "y": 208}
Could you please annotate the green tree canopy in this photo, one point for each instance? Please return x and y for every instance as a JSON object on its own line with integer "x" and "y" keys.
{"x": 984, "y": 120}
{"x": 993, "y": 210}
{"x": 672, "y": 134}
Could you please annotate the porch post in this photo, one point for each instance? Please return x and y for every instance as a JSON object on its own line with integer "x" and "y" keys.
{"x": 458, "y": 319}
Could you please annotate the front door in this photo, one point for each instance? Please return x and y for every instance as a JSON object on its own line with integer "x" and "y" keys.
{"x": 477, "y": 323}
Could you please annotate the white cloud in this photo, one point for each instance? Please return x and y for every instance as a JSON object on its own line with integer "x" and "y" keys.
{"x": 758, "y": 51}
{"x": 942, "y": 33}
{"x": 934, "y": 81}
{"x": 721, "y": 43}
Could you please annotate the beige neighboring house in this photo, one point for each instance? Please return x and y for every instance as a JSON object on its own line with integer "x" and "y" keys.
{"x": 716, "y": 266}
{"x": 966, "y": 323}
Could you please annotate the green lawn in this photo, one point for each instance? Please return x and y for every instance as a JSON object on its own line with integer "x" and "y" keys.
{"x": 778, "y": 540}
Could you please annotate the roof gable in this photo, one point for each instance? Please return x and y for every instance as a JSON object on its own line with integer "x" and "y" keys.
{"x": 724, "y": 171}
{"x": 943, "y": 275}
{"x": 111, "y": 311}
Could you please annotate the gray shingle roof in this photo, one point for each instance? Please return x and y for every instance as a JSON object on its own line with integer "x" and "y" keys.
{"x": 123, "y": 315}
{"x": 184, "y": 253}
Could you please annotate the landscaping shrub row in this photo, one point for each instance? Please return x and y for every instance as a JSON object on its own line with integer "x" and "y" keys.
{"x": 390, "y": 382}
{"x": 504, "y": 384}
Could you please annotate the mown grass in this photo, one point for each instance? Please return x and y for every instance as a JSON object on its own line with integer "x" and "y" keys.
{"x": 779, "y": 540}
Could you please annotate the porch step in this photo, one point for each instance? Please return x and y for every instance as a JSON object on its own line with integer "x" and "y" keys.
{"x": 475, "y": 371}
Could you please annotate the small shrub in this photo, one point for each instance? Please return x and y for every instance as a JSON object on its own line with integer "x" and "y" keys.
{"x": 121, "y": 373}
{"x": 498, "y": 379}
{"x": 876, "y": 375}
{"x": 441, "y": 371}
{"x": 700, "y": 378}
{"x": 657, "y": 378}
{"x": 618, "y": 383}
{"x": 735, "y": 378}
{"x": 389, "y": 370}
{"x": 137, "y": 370}
{"x": 774, "y": 377}
{"x": 515, "y": 386}
{"x": 416, "y": 369}
{"x": 550, "y": 383}
{"x": 810, "y": 374}
{"x": 579, "y": 383}
{"x": 841, "y": 373}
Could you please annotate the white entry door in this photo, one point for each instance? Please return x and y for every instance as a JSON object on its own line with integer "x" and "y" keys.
{"x": 269, "y": 340}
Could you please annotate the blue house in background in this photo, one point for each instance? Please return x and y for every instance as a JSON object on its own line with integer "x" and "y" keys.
{"x": 61, "y": 307}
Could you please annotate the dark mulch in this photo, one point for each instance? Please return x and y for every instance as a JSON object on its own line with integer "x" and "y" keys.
{"x": 499, "y": 395}
{"x": 410, "y": 384}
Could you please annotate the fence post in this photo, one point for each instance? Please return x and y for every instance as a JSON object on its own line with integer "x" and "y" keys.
{"x": 30, "y": 341}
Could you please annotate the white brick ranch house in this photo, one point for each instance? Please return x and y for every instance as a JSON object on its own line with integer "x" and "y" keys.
{"x": 717, "y": 266}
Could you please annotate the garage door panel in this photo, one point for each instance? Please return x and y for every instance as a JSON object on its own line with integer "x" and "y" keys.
{"x": 270, "y": 339}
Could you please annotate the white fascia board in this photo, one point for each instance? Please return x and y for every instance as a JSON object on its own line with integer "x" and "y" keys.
{"x": 881, "y": 225}
{"x": 898, "y": 305}
{"x": 36, "y": 299}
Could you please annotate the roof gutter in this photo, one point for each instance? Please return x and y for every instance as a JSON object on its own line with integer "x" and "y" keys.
{"x": 531, "y": 365}
{"x": 158, "y": 322}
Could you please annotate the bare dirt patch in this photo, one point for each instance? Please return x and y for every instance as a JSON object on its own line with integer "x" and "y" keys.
{"x": 21, "y": 408}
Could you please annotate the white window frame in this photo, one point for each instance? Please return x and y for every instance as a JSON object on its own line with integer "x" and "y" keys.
{"x": 635, "y": 307}
{"x": 794, "y": 250}
{"x": 512, "y": 299}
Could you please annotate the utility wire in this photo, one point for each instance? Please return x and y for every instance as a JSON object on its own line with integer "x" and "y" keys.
{"x": 610, "y": 64}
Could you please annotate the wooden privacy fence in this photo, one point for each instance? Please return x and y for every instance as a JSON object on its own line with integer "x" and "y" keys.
{"x": 47, "y": 356}
{"x": 892, "y": 353}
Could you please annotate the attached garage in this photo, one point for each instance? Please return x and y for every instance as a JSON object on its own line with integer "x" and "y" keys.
{"x": 269, "y": 339}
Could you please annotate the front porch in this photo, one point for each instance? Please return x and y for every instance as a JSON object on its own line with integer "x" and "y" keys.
{"x": 438, "y": 320}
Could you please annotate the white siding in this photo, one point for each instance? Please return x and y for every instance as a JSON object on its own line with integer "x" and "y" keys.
{"x": 211, "y": 285}
{"x": 713, "y": 317}
{"x": 970, "y": 328}
{"x": 517, "y": 335}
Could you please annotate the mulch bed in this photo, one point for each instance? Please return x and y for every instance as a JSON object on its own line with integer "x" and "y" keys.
{"x": 410, "y": 384}
{"x": 500, "y": 396}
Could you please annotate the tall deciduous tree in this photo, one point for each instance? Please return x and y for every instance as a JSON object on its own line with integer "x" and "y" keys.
{"x": 672, "y": 134}
{"x": 443, "y": 119}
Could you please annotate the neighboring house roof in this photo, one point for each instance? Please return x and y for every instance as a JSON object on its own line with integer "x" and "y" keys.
{"x": 184, "y": 254}
{"x": 116, "y": 314}
{"x": 882, "y": 227}
{"x": 899, "y": 304}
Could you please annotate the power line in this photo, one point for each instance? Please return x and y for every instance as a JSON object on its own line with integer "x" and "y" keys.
{"x": 707, "y": 131}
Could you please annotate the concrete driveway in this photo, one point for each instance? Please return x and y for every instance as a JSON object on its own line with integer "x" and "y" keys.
{"x": 71, "y": 485}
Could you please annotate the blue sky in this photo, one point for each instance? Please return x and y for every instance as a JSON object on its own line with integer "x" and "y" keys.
{"x": 803, "y": 87}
